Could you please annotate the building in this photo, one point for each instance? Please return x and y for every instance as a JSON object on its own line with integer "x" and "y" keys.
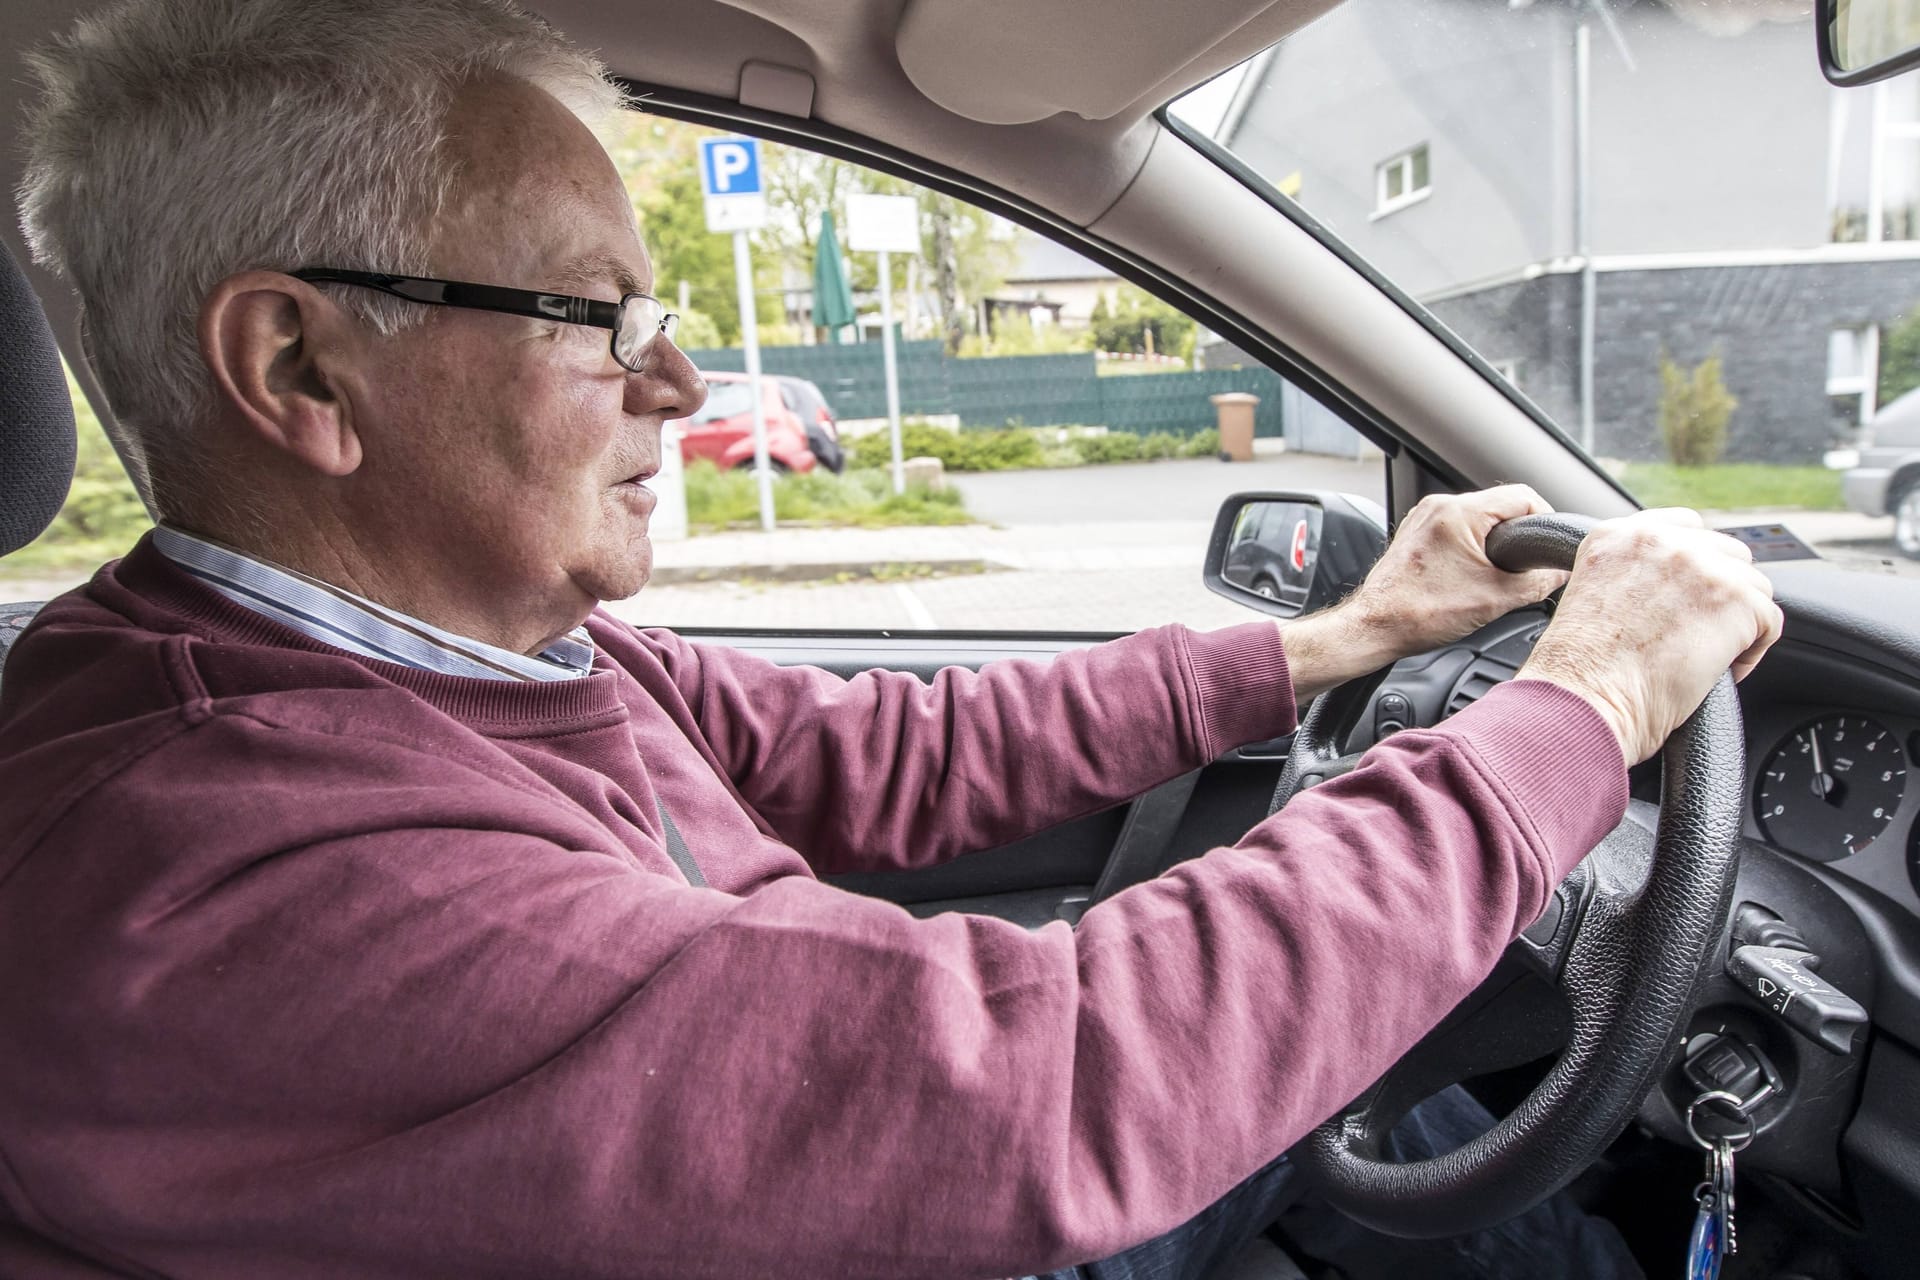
{"x": 1777, "y": 229}
{"x": 1049, "y": 277}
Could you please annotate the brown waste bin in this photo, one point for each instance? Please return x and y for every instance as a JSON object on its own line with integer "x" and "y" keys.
{"x": 1235, "y": 412}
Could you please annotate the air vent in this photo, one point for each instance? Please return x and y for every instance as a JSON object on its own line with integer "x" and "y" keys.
{"x": 1475, "y": 683}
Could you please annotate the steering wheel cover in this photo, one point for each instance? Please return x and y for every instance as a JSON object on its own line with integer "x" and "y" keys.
{"x": 1638, "y": 949}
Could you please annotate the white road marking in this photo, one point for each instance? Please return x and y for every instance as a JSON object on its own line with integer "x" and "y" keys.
{"x": 916, "y": 611}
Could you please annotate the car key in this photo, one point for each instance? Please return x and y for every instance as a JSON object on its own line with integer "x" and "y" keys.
{"x": 1704, "y": 1245}
{"x": 1712, "y": 1239}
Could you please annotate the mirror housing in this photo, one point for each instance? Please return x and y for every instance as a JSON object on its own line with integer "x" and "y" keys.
{"x": 1289, "y": 554}
{"x": 1862, "y": 41}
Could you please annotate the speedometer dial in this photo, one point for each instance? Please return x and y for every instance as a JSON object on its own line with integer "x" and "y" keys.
{"x": 1830, "y": 787}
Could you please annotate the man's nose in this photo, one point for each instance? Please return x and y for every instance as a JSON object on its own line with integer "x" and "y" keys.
{"x": 670, "y": 387}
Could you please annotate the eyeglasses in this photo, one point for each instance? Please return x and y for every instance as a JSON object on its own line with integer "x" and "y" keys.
{"x": 636, "y": 319}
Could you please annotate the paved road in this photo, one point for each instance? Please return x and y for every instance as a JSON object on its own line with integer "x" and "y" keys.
{"x": 1186, "y": 490}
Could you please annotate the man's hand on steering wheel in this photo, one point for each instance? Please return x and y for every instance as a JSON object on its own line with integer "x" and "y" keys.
{"x": 1433, "y": 585}
{"x": 1658, "y": 607}
{"x": 1655, "y": 612}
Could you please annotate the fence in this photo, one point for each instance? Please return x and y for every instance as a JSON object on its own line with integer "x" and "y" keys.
{"x": 998, "y": 391}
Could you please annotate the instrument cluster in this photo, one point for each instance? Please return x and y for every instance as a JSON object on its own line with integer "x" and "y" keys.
{"x": 1833, "y": 787}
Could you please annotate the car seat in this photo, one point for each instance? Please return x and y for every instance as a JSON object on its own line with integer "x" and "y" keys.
{"x": 37, "y": 439}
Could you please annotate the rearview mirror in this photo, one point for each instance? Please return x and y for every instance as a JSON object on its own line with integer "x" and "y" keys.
{"x": 1862, "y": 41}
{"x": 1292, "y": 553}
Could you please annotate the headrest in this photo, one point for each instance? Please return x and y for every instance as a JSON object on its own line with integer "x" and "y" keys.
{"x": 36, "y": 415}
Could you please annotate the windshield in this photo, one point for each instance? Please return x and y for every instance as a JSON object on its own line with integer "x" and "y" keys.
{"x": 1656, "y": 220}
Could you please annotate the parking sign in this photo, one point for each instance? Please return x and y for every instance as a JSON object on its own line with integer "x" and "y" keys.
{"x": 730, "y": 179}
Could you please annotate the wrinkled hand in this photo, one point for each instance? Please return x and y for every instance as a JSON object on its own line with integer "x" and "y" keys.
{"x": 1435, "y": 583}
{"x": 1658, "y": 607}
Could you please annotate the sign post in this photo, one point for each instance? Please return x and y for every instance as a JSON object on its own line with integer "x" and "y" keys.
{"x": 736, "y": 202}
{"x": 886, "y": 225}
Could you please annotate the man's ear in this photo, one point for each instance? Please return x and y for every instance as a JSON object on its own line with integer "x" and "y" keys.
{"x": 279, "y": 352}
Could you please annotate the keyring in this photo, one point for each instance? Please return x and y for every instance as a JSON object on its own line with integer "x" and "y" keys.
{"x": 1732, "y": 1100}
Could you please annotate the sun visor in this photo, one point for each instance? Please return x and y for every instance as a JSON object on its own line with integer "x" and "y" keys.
{"x": 1014, "y": 61}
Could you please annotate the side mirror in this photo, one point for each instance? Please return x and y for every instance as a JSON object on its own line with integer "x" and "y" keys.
{"x": 1292, "y": 553}
{"x": 1862, "y": 41}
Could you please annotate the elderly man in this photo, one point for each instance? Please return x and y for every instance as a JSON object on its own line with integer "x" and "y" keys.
{"x": 371, "y": 905}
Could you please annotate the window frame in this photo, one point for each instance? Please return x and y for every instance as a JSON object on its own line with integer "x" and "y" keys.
{"x": 1866, "y": 383}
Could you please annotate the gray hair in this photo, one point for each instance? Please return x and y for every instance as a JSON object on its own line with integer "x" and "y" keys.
{"x": 177, "y": 142}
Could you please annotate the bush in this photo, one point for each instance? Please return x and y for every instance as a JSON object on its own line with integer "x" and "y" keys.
{"x": 1115, "y": 446}
{"x": 1899, "y": 359}
{"x": 1004, "y": 450}
{"x": 1160, "y": 444}
{"x": 1122, "y": 324}
{"x": 727, "y": 499}
{"x": 1017, "y": 336}
{"x": 1694, "y": 408}
{"x": 1013, "y": 448}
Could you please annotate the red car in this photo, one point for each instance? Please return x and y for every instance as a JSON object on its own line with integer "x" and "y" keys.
{"x": 722, "y": 432}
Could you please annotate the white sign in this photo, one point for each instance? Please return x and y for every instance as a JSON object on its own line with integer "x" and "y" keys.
{"x": 730, "y": 179}
{"x": 883, "y": 224}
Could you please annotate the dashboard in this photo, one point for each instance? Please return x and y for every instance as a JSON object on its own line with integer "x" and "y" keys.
{"x": 1831, "y": 823}
{"x": 1832, "y": 745}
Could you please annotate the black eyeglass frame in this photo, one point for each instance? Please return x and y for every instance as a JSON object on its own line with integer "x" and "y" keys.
{"x": 565, "y": 308}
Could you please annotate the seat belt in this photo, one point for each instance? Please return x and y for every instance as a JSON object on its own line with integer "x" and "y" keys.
{"x": 677, "y": 848}
{"x": 1140, "y": 852}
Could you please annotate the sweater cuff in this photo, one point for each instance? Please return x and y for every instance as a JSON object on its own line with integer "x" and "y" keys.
{"x": 1562, "y": 768}
{"x": 1242, "y": 684}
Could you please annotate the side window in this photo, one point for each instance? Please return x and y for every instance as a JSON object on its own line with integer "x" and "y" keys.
{"x": 1061, "y": 442}
{"x": 101, "y": 518}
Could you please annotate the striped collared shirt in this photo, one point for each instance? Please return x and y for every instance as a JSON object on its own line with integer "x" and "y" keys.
{"x": 358, "y": 625}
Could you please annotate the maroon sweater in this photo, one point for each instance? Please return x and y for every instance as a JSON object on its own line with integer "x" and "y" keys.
{"x": 316, "y": 966}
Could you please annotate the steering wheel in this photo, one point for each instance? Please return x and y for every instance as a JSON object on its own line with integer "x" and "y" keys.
{"x": 1624, "y": 940}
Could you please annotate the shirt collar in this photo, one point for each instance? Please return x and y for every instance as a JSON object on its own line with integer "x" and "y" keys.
{"x": 346, "y": 621}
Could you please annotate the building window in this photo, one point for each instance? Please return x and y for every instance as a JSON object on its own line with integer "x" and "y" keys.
{"x": 1401, "y": 181}
{"x": 1853, "y": 370}
{"x": 1873, "y": 162}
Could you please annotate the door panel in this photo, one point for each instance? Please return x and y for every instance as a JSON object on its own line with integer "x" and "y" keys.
{"x": 1049, "y": 875}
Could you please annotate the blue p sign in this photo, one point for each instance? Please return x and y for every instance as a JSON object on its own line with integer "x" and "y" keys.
{"x": 730, "y": 166}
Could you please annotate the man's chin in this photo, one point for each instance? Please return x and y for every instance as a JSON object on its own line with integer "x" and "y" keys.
{"x": 619, "y": 577}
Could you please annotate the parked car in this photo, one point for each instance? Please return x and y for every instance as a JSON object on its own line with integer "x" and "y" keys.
{"x": 1273, "y": 549}
{"x": 1886, "y": 479}
{"x": 722, "y": 432}
{"x": 823, "y": 432}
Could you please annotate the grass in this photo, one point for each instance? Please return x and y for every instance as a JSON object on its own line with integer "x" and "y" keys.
{"x": 1734, "y": 486}
{"x": 859, "y": 499}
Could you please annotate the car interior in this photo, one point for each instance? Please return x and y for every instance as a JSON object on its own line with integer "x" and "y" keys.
{"x": 1786, "y": 972}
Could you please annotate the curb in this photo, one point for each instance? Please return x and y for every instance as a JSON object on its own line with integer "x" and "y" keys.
{"x": 813, "y": 571}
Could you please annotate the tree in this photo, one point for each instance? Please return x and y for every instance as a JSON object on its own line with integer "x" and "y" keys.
{"x": 1123, "y": 326}
{"x": 1900, "y": 358}
{"x": 969, "y": 251}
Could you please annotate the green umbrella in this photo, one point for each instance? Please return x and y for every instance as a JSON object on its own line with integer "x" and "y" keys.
{"x": 832, "y": 293}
